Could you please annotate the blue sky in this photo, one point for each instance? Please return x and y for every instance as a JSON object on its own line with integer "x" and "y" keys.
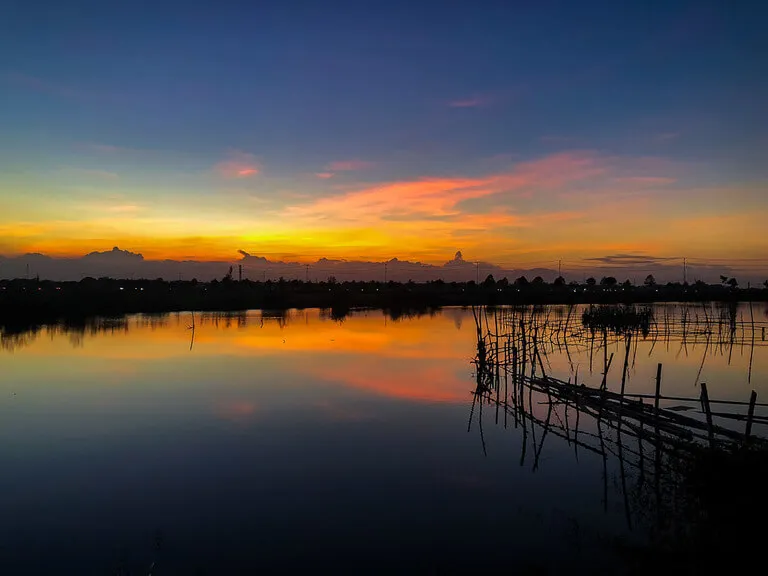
{"x": 159, "y": 94}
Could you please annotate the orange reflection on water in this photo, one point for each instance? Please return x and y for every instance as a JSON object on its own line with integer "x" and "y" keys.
{"x": 427, "y": 359}
{"x": 422, "y": 359}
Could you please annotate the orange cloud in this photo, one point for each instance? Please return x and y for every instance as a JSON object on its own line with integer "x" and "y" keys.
{"x": 439, "y": 197}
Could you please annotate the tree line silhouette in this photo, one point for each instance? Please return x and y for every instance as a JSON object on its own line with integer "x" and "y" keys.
{"x": 25, "y": 302}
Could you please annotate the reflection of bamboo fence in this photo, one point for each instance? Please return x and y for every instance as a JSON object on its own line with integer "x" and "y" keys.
{"x": 718, "y": 328}
{"x": 512, "y": 379}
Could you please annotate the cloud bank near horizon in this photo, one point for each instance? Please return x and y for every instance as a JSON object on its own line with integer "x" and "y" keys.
{"x": 570, "y": 204}
{"x": 117, "y": 263}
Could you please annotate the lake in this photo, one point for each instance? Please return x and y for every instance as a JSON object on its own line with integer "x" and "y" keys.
{"x": 292, "y": 442}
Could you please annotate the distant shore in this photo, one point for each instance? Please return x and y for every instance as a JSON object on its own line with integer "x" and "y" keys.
{"x": 25, "y": 303}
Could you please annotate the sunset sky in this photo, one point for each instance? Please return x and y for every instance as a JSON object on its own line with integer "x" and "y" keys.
{"x": 518, "y": 132}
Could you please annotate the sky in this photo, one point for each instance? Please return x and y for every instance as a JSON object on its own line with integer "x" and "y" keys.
{"x": 520, "y": 133}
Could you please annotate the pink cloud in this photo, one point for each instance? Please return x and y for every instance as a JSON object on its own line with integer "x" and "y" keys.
{"x": 325, "y": 175}
{"x": 440, "y": 201}
{"x": 348, "y": 165}
{"x": 238, "y": 165}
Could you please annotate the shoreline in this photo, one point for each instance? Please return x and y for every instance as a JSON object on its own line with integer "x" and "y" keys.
{"x": 28, "y": 303}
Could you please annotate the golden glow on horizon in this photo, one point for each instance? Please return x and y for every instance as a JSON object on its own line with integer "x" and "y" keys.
{"x": 564, "y": 206}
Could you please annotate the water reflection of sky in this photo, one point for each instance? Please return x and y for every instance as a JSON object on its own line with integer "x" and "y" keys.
{"x": 282, "y": 444}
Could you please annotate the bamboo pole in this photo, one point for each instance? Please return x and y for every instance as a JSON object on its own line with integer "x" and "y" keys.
{"x": 708, "y": 412}
{"x": 750, "y": 414}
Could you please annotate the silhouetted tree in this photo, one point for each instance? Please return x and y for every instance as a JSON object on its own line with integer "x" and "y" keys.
{"x": 228, "y": 276}
{"x": 331, "y": 279}
{"x": 650, "y": 280}
{"x": 627, "y": 283}
{"x": 608, "y": 281}
{"x": 559, "y": 281}
{"x": 538, "y": 281}
{"x": 503, "y": 283}
{"x": 765, "y": 284}
{"x": 733, "y": 283}
{"x": 591, "y": 281}
{"x": 522, "y": 281}
{"x": 489, "y": 281}
{"x": 723, "y": 279}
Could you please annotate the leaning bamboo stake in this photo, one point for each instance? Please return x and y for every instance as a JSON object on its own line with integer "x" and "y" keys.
{"x": 751, "y": 414}
{"x": 708, "y": 412}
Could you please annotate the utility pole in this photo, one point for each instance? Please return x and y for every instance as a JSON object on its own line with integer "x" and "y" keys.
{"x": 385, "y": 272}
{"x": 240, "y": 272}
{"x": 685, "y": 271}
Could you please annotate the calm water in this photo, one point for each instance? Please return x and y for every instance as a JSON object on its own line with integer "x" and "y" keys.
{"x": 297, "y": 442}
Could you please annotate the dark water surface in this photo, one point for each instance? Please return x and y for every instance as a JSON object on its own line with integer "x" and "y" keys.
{"x": 297, "y": 443}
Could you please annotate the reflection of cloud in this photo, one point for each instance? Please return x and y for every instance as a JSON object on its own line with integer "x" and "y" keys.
{"x": 339, "y": 413}
{"x": 236, "y": 411}
{"x": 420, "y": 380}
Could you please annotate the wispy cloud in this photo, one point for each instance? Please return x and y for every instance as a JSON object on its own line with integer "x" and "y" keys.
{"x": 433, "y": 199}
{"x": 90, "y": 173}
{"x": 325, "y": 175}
{"x": 471, "y": 102}
{"x": 630, "y": 259}
{"x": 124, "y": 209}
{"x": 238, "y": 165}
{"x": 668, "y": 136}
{"x": 346, "y": 166}
{"x": 107, "y": 148}
{"x": 646, "y": 180}
{"x": 37, "y": 84}
{"x": 556, "y": 139}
